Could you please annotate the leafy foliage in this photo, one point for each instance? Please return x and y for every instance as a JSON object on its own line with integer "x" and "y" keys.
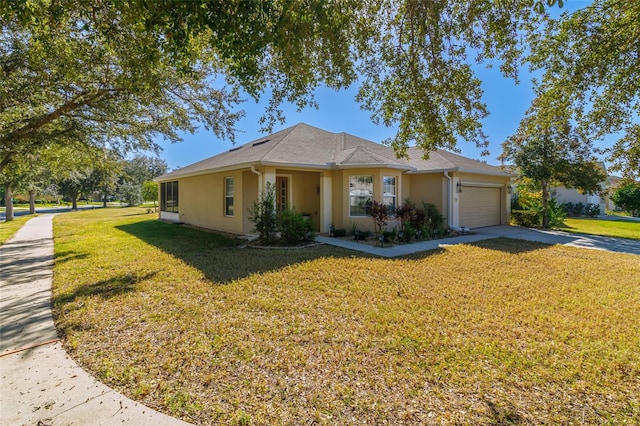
{"x": 150, "y": 191}
{"x": 627, "y": 197}
{"x": 126, "y": 71}
{"x": 548, "y": 151}
{"x": 293, "y": 227}
{"x": 379, "y": 212}
{"x": 591, "y": 73}
{"x": 83, "y": 71}
{"x": 263, "y": 214}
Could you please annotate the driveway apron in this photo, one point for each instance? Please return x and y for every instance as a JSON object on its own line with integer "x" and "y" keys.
{"x": 40, "y": 384}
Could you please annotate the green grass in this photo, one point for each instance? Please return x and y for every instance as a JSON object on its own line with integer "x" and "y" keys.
{"x": 499, "y": 332}
{"x": 7, "y": 229}
{"x": 607, "y": 228}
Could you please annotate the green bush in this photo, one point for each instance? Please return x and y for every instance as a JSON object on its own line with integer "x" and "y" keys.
{"x": 627, "y": 197}
{"x": 340, "y": 232}
{"x": 556, "y": 214}
{"x": 434, "y": 220}
{"x": 526, "y": 218}
{"x": 592, "y": 210}
{"x": 263, "y": 214}
{"x": 389, "y": 236}
{"x": 294, "y": 228}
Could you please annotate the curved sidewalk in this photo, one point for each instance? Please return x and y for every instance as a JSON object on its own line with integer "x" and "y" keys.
{"x": 39, "y": 383}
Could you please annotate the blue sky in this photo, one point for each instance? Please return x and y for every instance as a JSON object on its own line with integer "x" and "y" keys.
{"x": 338, "y": 112}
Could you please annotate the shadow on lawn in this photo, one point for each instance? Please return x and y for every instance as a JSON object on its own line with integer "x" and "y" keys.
{"x": 510, "y": 245}
{"x": 218, "y": 257}
{"x": 105, "y": 289}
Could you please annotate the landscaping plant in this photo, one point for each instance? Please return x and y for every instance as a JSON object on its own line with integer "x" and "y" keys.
{"x": 263, "y": 214}
{"x": 293, "y": 227}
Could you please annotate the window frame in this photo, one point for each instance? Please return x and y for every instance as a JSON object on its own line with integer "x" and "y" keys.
{"x": 359, "y": 180}
{"x": 228, "y": 206}
{"x": 169, "y": 197}
{"x": 391, "y": 208}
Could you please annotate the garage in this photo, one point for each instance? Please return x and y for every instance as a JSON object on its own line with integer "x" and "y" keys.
{"x": 480, "y": 206}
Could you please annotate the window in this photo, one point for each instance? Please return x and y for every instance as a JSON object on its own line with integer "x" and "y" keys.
{"x": 228, "y": 196}
{"x": 169, "y": 197}
{"x": 360, "y": 193}
{"x": 389, "y": 194}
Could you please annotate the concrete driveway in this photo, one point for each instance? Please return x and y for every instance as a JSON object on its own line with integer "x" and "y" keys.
{"x": 619, "y": 245}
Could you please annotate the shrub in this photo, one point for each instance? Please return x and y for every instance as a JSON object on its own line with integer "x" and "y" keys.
{"x": 389, "y": 236}
{"x": 263, "y": 214}
{"x": 340, "y": 232}
{"x": 527, "y": 218}
{"x": 556, "y": 213}
{"x": 293, "y": 227}
{"x": 433, "y": 221}
{"x": 627, "y": 197}
{"x": 592, "y": 210}
{"x": 379, "y": 212}
{"x": 354, "y": 230}
{"x": 405, "y": 212}
{"x": 362, "y": 235}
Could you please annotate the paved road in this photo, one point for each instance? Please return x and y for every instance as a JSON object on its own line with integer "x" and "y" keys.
{"x": 40, "y": 384}
{"x": 44, "y": 210}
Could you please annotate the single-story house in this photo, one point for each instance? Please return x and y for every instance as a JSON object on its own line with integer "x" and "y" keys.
{"x": 330, "y": 177}
{"x": 563, "y": 194}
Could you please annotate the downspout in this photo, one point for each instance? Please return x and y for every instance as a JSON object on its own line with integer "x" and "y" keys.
{"x": 260, "y": 187}
{"x": 449, "y": 210}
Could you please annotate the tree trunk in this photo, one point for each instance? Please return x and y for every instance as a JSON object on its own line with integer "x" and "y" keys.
{"x": 74, "y": 201}
{"x": 32, "y": 201}
{"x": 8, "y": 201}
{"x": 545, "y": 204}
{"x": 104, "y": 201}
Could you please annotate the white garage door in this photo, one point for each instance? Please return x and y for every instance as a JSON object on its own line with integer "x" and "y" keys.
{"x": 479, "y": 206}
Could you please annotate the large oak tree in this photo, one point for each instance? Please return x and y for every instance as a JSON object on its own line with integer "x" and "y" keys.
{"x": 128, "y": 70}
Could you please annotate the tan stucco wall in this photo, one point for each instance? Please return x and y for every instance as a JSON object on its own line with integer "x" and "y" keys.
{"x": 201, "y": 201}
{"x": 249, "y": 194}
{"x": 305, "y": 195}
{"x": 430, "y": 189}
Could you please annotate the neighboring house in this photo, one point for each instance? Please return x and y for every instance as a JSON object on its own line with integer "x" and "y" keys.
{"x": 614, "y": 183}
{"x": 330, "y": 177}
{"x": 572, "y": 195}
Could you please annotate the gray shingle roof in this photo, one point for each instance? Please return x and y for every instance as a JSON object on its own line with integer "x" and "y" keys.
{"x": 306, "y": 146}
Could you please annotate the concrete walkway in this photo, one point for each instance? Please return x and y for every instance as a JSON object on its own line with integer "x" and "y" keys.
{"x": 40, "y": 384}
{"x": 619, "y": 245}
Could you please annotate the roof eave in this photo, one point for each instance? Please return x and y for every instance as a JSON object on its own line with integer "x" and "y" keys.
{"x": 374, "y": 166}
{"x": 485, "y": 172}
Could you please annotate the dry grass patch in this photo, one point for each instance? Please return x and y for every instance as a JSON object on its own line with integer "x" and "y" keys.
{"x": 499, "y": 332}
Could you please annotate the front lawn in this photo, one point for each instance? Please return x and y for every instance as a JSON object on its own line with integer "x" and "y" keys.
{"x": 607, "y": 228}
{"x": 499, "y": 332}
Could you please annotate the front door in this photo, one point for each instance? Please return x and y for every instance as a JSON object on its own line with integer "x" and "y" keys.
{"x": 282, "y": 192}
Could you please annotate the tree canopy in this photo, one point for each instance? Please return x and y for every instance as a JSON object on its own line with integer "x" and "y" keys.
{"x": 547, "y": 150}
{"x": 124, "y": 71}
{"x": 591, "y": 74}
